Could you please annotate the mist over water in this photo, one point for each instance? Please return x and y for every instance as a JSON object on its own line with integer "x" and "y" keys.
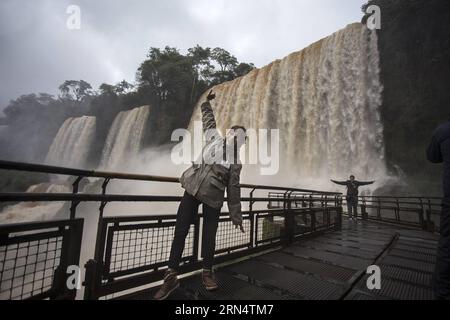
{"x": 325, "y": 101}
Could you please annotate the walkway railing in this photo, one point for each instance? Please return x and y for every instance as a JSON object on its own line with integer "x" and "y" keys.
{"x": 34, "y": 258}
{"x": 416, "y": 212}
{"x": 420, "y": 212}
{"x": 133, "y": 251}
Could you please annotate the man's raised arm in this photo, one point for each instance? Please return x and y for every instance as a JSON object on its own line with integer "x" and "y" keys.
{"x": 342, "y": 183}
{"x": 363, "y": 183}
{"x": 208, "y": 119}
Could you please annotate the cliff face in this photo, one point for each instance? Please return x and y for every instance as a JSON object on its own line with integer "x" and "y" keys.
{"x": 414, "y": 44}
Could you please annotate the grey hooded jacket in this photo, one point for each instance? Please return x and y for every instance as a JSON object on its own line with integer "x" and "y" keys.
{"x": 208, "y": 181}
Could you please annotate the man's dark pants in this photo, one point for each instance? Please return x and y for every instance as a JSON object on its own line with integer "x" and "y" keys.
{"x": 187, "y": 213}
{"x": 352, "y": 206}
{"x": 442, "y": 272}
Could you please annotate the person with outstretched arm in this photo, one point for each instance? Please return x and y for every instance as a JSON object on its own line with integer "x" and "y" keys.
{"x": 439, "y": 152}
{"x": 205, "y": 183}
{"x": 352, "y": 194}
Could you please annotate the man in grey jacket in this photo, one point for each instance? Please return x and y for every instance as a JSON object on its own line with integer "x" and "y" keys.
{"x": 205, "y": 183}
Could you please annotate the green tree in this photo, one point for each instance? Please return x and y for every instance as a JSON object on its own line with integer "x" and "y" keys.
{"x": 243, "y": 68}
{"x": 123, "y": 87}
{"x": 224, "y": 59}
{"x": 164, "y": 73}
{"x": 107, "y": 89}
{"x": 75, "y": 90}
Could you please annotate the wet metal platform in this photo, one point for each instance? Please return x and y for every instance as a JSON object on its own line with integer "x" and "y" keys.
{"x": 328, "y": 267}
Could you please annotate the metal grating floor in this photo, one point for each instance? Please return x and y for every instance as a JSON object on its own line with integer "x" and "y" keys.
{"x": 330, "y": 266}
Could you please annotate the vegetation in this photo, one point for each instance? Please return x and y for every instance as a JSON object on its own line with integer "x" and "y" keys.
{"x": 169, "y": 81}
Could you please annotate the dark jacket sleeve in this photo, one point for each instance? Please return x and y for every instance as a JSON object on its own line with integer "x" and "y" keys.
{"x": 209, "y": 122}
{"x": 342, "y": 183}
{"x": 363, "y": 183}
{"x": 208, "y": 119}
{"x": 234, "y": 194}
{"x": 434, "y": 153}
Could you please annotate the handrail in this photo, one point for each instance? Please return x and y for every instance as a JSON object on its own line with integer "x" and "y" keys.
{"x": 263, "y": 187}
{"x": 403, "y": 197}
{"x": 41, "y": 168}
{"x": 87, "y": 197}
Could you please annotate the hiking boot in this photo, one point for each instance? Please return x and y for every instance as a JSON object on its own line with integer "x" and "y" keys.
{"x": 170, "y": 284}
{"x": 209, "y": 280}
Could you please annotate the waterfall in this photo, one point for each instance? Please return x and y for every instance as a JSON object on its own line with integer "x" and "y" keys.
{"x": 325, "y": 101}
{"x": 124, "y": 138}
{"x": 35, "y": 211}
{"x": 72, "y": 143}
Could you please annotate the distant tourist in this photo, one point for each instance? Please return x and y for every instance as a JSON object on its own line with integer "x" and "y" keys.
{"x": 439, "y": 152}
{"x": 352, "y": 194}
{"x": 205, "y": 183}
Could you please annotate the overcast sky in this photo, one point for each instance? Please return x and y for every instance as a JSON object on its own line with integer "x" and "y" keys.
{"x": 38, "y": 52}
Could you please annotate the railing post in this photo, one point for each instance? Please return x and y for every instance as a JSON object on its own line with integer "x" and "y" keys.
{"x": 75, "y": 203}
{"x": 313, "y": 221}
{"x": 90, "y": 280}
{"x": 421, "y": 215}
{"x": 379, "y": 209}
{"x": 196, "y": 245}
{"x": 364, "y": 214}
{"x": 252, "y": 202}
{"x": 397, "y": 210}
{"x": 289, "y": 221}
{"x": 339, "y": 218}
{"x": 430, "y": 223}
{"x": 94, "y": 266}
{"x": 252, "y": 229}
{"x": 255, "y": 240}
{"x": 70, "y": 255}
{"x": 328, "y": 217}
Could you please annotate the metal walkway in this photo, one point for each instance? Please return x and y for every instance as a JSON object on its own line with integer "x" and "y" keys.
{"x": 331, "y": 266}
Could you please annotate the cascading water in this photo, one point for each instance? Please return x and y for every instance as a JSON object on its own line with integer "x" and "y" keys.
{"x": 324, "y": 100}
{"x": 124, "y": 138}
{"x": 71, "y": 147}
{"x": 35, "y": 211}
{"x": 72, "y": 143}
